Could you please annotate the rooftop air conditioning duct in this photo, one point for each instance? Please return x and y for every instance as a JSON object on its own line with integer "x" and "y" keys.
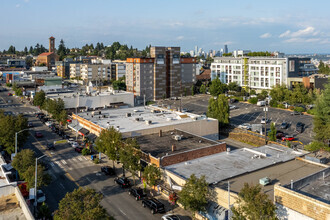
{"x": 128, "y": 114}
{"x": 177, "y": 137}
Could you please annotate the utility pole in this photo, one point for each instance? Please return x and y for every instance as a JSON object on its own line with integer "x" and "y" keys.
{"x": 265, "y": 110}
{"x": 144, "y": 100}
{"x": 35, "y": 183}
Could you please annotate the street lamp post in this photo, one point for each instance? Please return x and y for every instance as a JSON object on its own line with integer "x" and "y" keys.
{"x": 35, "y": 182}
{"x": 16, "y": 138}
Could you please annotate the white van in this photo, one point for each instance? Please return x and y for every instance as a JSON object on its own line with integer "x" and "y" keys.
{"x": 261, "y": 103}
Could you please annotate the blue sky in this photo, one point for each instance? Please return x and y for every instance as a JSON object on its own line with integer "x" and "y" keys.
{"x": 288, "y": 26}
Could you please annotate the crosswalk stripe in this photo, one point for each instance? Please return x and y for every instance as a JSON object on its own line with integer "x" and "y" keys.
{"x": 74, "y": 159}
{"x": 63, "y": 161}
{"x": 59, "y": 164}
{"x": 79, "y": 158}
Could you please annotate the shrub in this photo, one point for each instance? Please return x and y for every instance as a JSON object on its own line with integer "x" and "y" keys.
{"x": 273, "y": 103}
{"x": 253, "y": 100}
{"x": 311, "y": 111}
{"x": 96, "y": 160}
{"x": 291, "y": 107}
{"x": 314, "y": 146}
{"x": 280, "y": 106}
{"x": 299, "y": 109}
{"x": 85, "y": 151}
{"x": 8, "y": 84}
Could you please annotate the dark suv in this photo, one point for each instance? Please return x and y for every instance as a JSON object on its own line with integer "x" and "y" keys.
{"x": 123, "y": 182}
{"x": 154, "y": 205}
{"x": 300, "y": 127}
{"x": 138, "y": 193}
{"x": 108, "y": 170}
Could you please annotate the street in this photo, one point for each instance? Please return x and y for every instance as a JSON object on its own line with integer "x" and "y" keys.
{"x": 70, "y": 169}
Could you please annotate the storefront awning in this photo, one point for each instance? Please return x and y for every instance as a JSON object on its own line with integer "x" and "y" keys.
{"x": 75, "y": 125}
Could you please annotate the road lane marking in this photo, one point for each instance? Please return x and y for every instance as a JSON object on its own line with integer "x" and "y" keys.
{"x": 122, "y": 211}
{"x": 79, "y": 158}
{"x": 63, "y": 161}
{"x": 71, "y": 178}
{"x": 74, "y": 159}
{"x": 62, "y": 185}
{"x": 88, "y": 179}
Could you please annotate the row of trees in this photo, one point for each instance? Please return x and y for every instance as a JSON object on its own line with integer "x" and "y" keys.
{"x": 36, "y": 50}
{"x": 52, "y": 106}
{"x": 323, "y": 68}
{"x": 9, "y": 125}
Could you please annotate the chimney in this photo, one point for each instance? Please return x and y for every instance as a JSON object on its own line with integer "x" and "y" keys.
{"x": 160, "y": 133}
{"x": 173, "y": 147}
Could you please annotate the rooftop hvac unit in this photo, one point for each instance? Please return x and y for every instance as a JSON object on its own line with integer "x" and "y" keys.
{"x": 148, "y": 122}
{"x": 128, "y": 114}
{"x": 168, "y": 119}
{"x": 177, "y": 137}
{"x": 138, "y": 119}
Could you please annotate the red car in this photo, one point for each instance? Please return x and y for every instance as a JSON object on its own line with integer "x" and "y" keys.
{"x": 9, "y": 94}
{"x": 38, "y": 134}
{"x": 287, "y": 138}
{"x": 78, "y": 149}
{"x": 69, "y": 120}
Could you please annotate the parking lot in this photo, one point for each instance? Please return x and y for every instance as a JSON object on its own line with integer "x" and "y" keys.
{"x": 248, "y": 113}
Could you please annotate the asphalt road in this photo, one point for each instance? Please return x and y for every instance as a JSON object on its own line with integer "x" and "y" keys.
{"x": 248, "y": 113}
{"x": 70, "y": 169}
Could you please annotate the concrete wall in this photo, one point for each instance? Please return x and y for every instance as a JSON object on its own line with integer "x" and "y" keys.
{"x": 192, "y": 154}
{"x": 99, "y": 101}
{"x": 220, "y": 196}
{"x": 298, "y": 202}
{"x": 206, "y": 128}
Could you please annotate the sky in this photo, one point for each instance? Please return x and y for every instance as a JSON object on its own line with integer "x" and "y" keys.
{"x": 288, "y": 26}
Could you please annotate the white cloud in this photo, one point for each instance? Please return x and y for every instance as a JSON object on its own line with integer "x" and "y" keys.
{"x": 285, "y": 34}
{"x": 265, "y": 35}
{"x": 180, "y": 37}
{"x": 308, "y": 31}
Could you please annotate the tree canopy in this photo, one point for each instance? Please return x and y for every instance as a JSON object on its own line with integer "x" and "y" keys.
{"x": 194, "y": 194}
{"x": 129, "y": 155}
{"x": 323, "y": 68}
{"x": 151, "y": 174}
{"x": 82, "y": 203}
{"x": 217, "y": 87}
{"x": 9, "y": 125}
{"x": 253, "y": 204}
{"x": 219, "y": 109}
{"x": 39, "y": 98}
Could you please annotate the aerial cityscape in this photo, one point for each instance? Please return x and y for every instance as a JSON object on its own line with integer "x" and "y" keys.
{"x": 172, "y": 110}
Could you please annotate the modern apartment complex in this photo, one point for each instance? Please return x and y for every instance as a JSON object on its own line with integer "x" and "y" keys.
{"x": 260, "y": 72}
{"x": 163, "y": 75}
{"x": 93, "y": 72}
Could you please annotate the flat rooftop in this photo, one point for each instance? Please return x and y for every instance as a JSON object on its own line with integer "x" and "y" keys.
{"x": 10, "y": 208}
{"x": 280, "y": 173}
{"x": 222, "y": 166}
{"x": 139, "y": 118}
{"x": 161, "y": 146}
{"x": 316, "y": 185}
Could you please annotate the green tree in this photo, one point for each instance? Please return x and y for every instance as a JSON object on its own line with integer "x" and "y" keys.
{"x": 217, "y": 87}
{"x": 272, "y": 133}
{"x": 130, "y": 156}
{"x": 263, "y": 94}
{"x": 316, "y": 145}
{"x": 152, "y": 175}
{"x": 82, "y": 203}
{"x": 44, "y": 212}
{"x": 322, "y": 116}
{"x": 202, "y": 89}
{"x": 39, "y": 98}
{"x": 8, "y": 126}
{"x": 219, "y": 109}
{"x": 23, "y": 160}
{"x": 279, "y": 93}
{"x": 324, "y": 69}
{"x": 299, "y": 95}
{"x": 109, "y": 142}
{"x": 233, "y": 86}
{"x": 62, "y": 50}
{"x": 253, "y": 204}
{"x": 192, "y": 90}
{"x": 194, "y": 194}
{"x": 29, "y": 176}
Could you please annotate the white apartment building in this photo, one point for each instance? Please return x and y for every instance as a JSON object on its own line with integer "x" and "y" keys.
{"x": 254, "y": 72}
{"x": 74, "y": 70}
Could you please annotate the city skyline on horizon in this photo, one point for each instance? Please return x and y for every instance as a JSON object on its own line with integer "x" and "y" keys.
{"x": 255, "y": 26}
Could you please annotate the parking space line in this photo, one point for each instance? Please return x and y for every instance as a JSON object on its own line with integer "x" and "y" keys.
{"x": 59, "y": 164}
{"x": 79, "y": 158}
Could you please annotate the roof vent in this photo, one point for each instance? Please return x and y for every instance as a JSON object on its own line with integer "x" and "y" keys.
{"x": 148, "y": 122}
{"x": 128, "y": 114}
{"x": 177, "y": 137}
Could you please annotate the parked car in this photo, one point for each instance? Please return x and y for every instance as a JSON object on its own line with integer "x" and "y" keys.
{"x": 48, "y": 123}
{"x": 170, "y": 217}
{"x": 38, "y": 134}
{"x": 9, "y": 94}
{"x": 78, "y": 149}
{"x": 246, "y": 126}
{"x": 108, "y": 170}
{"x": 288, "y": 138}
{"x": 40, "y": 195}
{"x": 50, "y": 146}
{"x": 264, "y": 121}
{"x": 123, "y": 182}
{"x": 30, "y": 124}
{"x": 261, "y": 103}
{"x": 300, "y": 127}
{"x": 154, "y": 205}
{"x": 138, "y": 193}
{"x": 284, "y": 125}
{"x": 296, "y": 113}
{"x": 9, "y": 101}
{"x": 279, "y": 135}
{"x": 231, "y": 107}
{"x": 74, "y": 144}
